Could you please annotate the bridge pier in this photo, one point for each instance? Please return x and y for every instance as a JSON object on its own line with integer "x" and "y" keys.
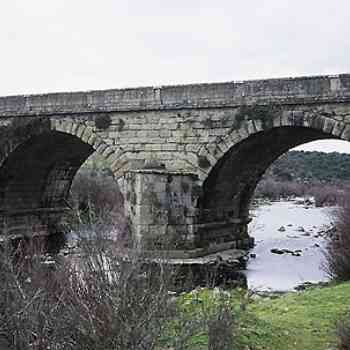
{"x": 164, "y": 215}
{"x": 160, "y": 206}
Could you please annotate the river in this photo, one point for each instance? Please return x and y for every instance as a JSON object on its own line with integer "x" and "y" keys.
{"x": 288, "y": 225}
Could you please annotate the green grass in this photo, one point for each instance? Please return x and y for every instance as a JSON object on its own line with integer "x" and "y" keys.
{"x": 298, "y": 321}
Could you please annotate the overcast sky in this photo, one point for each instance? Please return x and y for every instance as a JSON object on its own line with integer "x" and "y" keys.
{"x": 66, "y": 45}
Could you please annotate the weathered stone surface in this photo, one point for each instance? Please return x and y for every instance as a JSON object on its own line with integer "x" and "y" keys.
{"x": 226, "y": 134}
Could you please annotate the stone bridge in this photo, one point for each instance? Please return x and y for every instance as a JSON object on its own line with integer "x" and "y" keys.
{"x": 187, "y": 158}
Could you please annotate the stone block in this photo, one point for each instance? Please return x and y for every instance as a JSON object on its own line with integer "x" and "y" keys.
{"x": 338, "y": 129}
{"x": 345, "y": 135}
{"x": 328, "y": 125}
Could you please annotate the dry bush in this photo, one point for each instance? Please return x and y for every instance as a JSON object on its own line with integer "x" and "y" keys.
{"x": 337, "y": 252}
{"x": 324, "y": 194}
{"x": 221, "y": 327}
{"x": 96, "y": 193}
{"x": 33, "y": 314}
{"x": 117, "y": 304}
{"x": 343, "y": 334}
{"x": 271, "y": 189}
{"x": 327, "y": 195}
{"x": 99, "y": 303}
{"x": 96, "y": 200}
{"x": 267, "y": 189}
{"x": 96, "y": 301}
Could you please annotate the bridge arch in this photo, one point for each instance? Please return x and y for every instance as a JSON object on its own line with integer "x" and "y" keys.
{"x": 239, "y": 159}
{"x": 38, "y": 162}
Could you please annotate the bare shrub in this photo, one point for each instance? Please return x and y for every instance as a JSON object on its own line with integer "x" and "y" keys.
{"x": 272, "y": 189}
{"x": 327, "y": 195}
{"x": 96, "y": 193}
{"x": 324, "y": 194}
{"x": 100, "y": 303}
{"x": 221, "y": 325}
{"x": 337, "y": 252}
{"x": 96, "y": 301}
{"x": 343, "y": 334}
{"x": 96, "y": 199}
{"x": 292, "y": 189}
{"x": 267, "y": 189}
{"x": 33, "y": 314}
{"x": 118, "y": 304}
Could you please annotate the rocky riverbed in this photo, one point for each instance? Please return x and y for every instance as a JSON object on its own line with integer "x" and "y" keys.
{"x": 290, "y": 240}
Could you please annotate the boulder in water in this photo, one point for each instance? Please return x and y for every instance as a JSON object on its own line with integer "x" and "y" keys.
{"x": 277, "y": 251}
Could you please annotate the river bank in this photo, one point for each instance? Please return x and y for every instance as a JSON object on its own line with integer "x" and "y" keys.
{"x": 300, "y": 321}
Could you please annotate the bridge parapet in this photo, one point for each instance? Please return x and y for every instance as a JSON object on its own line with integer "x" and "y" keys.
{"x": 316, "y": 89}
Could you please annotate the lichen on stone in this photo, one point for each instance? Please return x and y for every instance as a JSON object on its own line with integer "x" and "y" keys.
{"x": 102, "y": 121}
{"x": 265, "y": 113}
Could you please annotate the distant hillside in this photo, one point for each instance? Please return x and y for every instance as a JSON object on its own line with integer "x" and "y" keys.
{"x": 311, "y": 167}
{"x": 295, "y": 166}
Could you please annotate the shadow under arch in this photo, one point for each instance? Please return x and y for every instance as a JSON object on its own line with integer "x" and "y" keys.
{"x": 36, "y": 173}
{"x": 231, "y": 182}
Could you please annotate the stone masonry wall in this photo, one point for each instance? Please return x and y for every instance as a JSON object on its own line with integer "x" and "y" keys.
{"x": 161, "y": 207}
{"x": 184, "y": 129}
{"x": 188, "y": 127}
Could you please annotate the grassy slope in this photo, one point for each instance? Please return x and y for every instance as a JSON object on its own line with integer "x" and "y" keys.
{"x": 305, "y": 320}
{"x": 298, "y": 321}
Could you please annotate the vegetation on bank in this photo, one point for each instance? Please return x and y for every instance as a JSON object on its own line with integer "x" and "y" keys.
{"x": 324, "y": 176}
{"x": 304, "y": 320}
{"x": 102, "y": 302}
{"x": 94, "y": 301}
{"x": 337, "y": 253}
{"x": 323, "y": 194}
{"x": 311, "y": 167}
